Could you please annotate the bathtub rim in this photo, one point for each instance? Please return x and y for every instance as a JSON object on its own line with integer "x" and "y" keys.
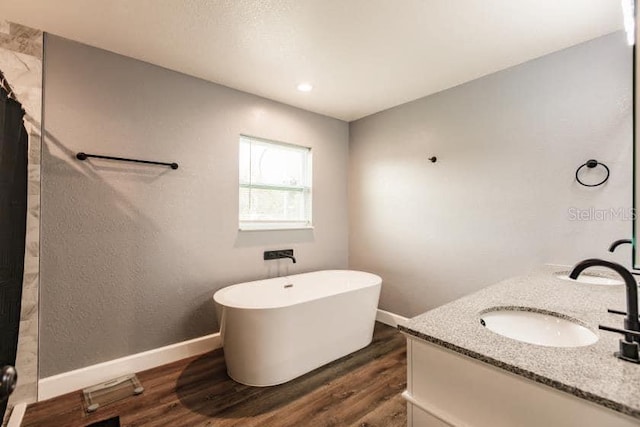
{"x": 375, "y": 281}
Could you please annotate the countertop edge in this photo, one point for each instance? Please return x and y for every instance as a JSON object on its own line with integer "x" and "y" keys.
{"x": 615, "y": 406}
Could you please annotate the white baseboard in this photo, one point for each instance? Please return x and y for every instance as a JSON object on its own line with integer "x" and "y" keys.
{"x": 78, "y": 379}
{"x": 17, "y": 413}
{"x": 390, "y": 319}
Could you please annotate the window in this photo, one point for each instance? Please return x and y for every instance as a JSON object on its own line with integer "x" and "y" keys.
{"x": 275, "y": 185}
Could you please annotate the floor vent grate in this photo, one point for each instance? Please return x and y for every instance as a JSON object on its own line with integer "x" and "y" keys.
{"x": 111, "y": 422}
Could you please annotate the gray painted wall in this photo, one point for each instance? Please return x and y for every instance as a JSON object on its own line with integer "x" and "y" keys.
{"x": 131, "y": 255}
{"x": 496, "y": 203}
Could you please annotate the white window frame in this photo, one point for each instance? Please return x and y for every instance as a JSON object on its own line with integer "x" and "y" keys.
{"x": 273, "y": 224}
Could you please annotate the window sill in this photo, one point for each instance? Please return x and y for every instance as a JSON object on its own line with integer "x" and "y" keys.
{"x": 253, "y": 227}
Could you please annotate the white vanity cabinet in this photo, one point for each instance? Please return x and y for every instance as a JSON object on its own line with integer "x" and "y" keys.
{"x": 447, "y": 388}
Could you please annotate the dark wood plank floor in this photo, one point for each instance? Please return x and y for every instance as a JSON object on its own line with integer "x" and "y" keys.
{"x": 362, "y": 389}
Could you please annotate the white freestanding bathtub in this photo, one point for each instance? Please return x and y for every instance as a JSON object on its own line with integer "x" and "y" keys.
{"x": 277, "y": 329}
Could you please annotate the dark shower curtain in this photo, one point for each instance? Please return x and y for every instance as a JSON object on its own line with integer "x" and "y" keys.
{"x": 13, "y": 213}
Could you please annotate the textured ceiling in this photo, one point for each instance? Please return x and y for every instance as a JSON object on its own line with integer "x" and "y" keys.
{"x": 362, "y": 56}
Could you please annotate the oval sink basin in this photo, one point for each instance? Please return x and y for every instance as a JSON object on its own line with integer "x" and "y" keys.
{"x": 546, "y": 329}
{"x": 591, "y": 279}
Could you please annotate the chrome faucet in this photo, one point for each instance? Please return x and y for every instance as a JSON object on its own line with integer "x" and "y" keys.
{"x": 629, "y": 346}
{"x": 617, "y": 243}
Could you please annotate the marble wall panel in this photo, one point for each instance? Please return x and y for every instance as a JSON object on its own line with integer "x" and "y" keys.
{"x": 21, "y": 63}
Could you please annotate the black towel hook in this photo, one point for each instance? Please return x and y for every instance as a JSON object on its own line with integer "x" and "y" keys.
{"x": 592, "y": 163}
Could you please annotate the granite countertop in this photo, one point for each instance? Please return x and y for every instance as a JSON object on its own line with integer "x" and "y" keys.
{"x": 591, "y": 372}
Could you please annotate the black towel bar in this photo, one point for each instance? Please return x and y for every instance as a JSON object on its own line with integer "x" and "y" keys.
{"x": 85, "y": 156}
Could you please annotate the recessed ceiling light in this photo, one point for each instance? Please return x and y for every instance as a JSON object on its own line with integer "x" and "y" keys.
{"x": 305, "y": 87}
